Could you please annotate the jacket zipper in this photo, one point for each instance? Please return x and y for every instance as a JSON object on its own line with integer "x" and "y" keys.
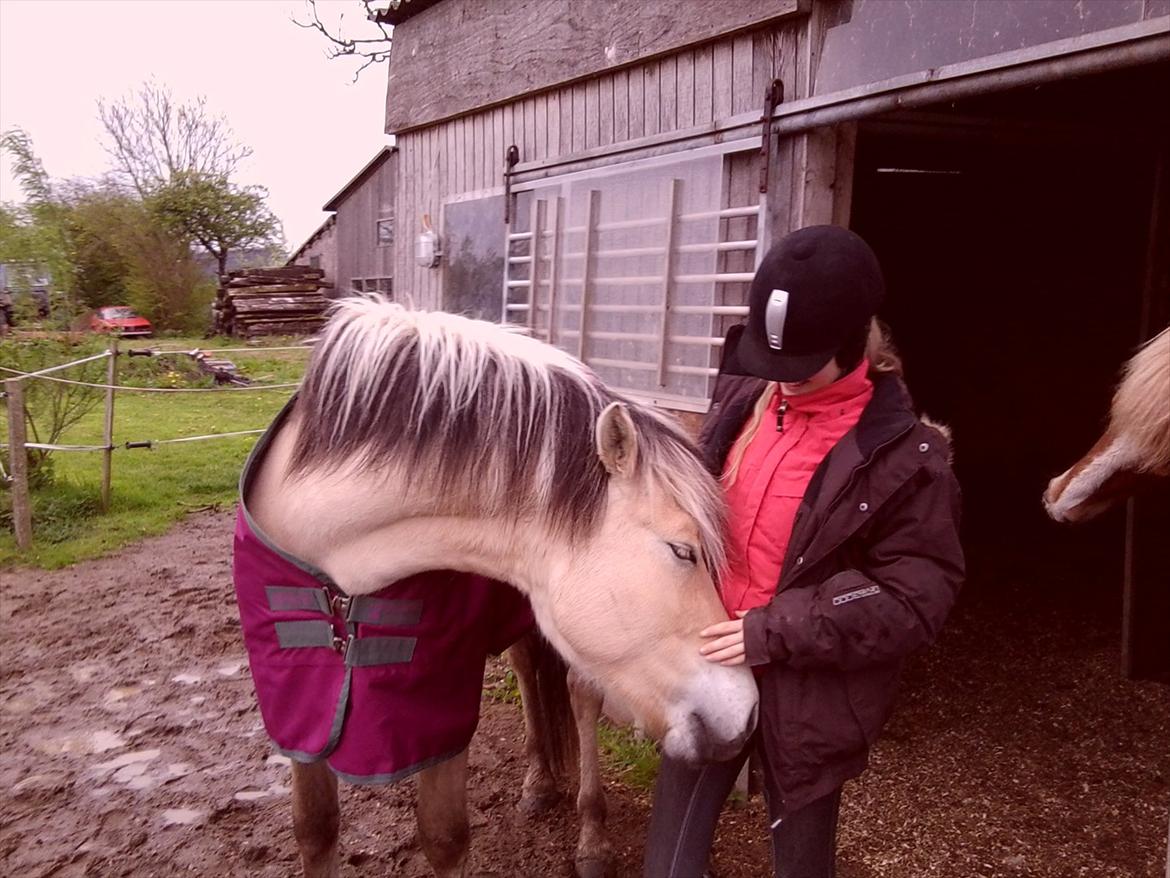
{"x": 780, "y": 412}
{"x": 844, "y": 490}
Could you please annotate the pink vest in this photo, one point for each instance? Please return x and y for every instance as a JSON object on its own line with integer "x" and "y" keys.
{"x": 380, "y": 685}
{"x": 773, "y": 475}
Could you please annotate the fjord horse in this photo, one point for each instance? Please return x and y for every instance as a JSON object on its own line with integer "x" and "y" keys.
{"x": 1133, "y": 450}
{"x": 425, "y": 441}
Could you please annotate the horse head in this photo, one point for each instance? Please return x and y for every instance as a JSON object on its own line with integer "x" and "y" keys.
{"x": 424, "y": 441}
{"x": 625, "y": 605}
{"x": 1133, "y": 452}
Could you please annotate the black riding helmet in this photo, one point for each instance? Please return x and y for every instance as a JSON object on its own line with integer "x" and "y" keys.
{"x": 812, "y": 297}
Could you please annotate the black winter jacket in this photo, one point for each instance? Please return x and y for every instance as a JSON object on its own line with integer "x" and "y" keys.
{"x": 871, "y": 571}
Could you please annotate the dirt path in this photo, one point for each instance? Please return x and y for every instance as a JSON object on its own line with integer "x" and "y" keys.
{"x": 132, "y": 746}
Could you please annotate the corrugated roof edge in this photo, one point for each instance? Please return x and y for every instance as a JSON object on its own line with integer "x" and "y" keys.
{"x": 400, "y": 10}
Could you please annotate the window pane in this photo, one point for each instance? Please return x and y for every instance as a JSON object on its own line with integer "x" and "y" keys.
{"x": 645, "y": 333}
{"x": 881, "y": 39}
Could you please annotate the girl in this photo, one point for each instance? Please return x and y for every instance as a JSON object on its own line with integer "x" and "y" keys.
{"x": 843, "y": 524}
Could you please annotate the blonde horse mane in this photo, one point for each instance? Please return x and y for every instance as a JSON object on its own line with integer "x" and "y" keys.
{"x": 1141, "y": 404}
{"x": 482, "y": 414}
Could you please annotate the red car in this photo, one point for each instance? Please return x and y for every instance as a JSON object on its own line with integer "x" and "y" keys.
{"x": 119, "y": 320}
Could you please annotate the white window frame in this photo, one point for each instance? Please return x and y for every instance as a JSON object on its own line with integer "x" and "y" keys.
{"x": 359, "y": 285}
{"x": 389, "y": 220}
{"x": 518, "y": 292}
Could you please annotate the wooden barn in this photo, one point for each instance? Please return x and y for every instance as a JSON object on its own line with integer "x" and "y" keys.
{"x": 320, "y": 250}
{"x": 608, "y": 173}
{"x": 355, "y": 244}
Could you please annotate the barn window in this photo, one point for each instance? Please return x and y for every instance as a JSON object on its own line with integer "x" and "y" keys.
{"x": 385, "y": 232}
{"x": 314, "y": 262}
{"x": 372, "y": 285}
{"x": 638, "y": 269}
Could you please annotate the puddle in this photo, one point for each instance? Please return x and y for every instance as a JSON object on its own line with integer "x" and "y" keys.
{"x": 84, "y": 673}
{"x": 183, "y": 817}
{"x": 125, "y": 759}
{"x": 19, "y": 704}
{"x": 250, "y": 795}
{"x": 80, "y": 743}
{"x": 176, "y": 770}
{"x": 230, "y": 669}
{"x": 186, "y": 679}
{"x": 118, "y": 695}
{"x": 278, "y": 759}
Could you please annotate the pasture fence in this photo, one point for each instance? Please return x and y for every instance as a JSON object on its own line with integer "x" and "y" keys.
{"x": 18, "y": 445}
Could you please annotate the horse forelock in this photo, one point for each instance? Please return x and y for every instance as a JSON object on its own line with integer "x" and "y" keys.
{"x": 1140, "y": 411}
{"x": 474, "y": 409}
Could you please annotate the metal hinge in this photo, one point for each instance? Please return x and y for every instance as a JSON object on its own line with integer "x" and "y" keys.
{"x": 511, "y": 159}
{"x": 772, "y": 98}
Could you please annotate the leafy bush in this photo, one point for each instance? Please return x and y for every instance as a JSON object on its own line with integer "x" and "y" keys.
{"x": 52, "y": 407}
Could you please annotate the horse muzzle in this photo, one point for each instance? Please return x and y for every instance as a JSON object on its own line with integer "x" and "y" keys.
{"x": 716, "y": 725}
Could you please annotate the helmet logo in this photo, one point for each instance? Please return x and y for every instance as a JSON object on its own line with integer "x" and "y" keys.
{"x": 774, "y": 316}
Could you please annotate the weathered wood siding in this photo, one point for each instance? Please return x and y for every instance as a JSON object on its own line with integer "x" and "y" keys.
{"x": 461, "y": 56}
{"x": 695, "y": 87}
{"x": 358, "y": 252}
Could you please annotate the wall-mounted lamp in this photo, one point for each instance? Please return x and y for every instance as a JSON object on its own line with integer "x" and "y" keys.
{"x": 427, "y": 248}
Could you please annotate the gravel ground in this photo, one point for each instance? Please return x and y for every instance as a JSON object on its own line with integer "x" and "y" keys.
{"x": 133, "y": 747}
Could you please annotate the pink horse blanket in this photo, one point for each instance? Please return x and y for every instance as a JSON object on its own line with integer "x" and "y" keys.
{"x": 379, "y": 685}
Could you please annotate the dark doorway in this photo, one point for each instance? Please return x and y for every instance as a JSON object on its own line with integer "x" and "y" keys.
{"x": 1013, "y": 231}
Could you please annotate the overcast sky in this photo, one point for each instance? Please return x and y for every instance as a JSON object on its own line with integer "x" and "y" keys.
{"x": 311, "y": 129}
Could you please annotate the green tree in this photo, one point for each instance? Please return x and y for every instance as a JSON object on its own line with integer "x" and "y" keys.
{"x": 217, "y": 214}
{"x": 100, "y": 266}
{"x": 35, "y": 233}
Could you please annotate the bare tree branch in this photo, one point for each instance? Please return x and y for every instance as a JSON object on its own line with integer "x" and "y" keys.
{"x": 152, "y": 138}
{"x": 374, "y": 48}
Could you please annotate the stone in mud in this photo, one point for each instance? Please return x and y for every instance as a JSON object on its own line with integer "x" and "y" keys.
{"x": 37, "y": 785}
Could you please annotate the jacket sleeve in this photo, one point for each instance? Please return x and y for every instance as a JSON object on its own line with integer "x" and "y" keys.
{"x": 893, "y": 603}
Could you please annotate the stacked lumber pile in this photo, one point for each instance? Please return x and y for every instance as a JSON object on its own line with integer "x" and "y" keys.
{"x": 289, "y": 300}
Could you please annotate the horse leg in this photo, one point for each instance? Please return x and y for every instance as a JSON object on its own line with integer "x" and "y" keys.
{"x": 316, "y": 818}
{"x": 594, "y": 857}
{"x": 539, "y": 792}
{"x": 441, "y": 813}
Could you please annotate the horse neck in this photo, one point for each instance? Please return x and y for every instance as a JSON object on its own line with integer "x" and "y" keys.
{"x": 366, "y": 530}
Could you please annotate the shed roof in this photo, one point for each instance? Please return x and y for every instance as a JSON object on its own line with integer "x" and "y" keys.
{"x": 321, "y": 229}
{"x": 400, "y": 10}
{"x": 364, "y": 174}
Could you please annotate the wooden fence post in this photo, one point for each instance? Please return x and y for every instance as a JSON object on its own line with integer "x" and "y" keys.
{"x": 108, "y": 435}
{"x": 18, "y": 456}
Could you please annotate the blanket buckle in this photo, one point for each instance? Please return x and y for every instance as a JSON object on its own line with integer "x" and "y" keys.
{"x": 339, "y": 605}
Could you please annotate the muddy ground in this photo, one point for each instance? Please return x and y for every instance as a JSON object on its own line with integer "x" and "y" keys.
{"x": 132, "y": 746}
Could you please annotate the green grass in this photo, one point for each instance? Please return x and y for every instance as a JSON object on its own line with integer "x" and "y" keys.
{"x": 632, "y": 758}
{"x": 151, "y": 489}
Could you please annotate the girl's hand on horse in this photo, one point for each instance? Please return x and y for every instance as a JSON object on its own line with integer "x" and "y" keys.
{"x": 727, "y": 648}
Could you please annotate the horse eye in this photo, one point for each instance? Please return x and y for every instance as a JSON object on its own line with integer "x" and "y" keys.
{"x": 683, "y": 552}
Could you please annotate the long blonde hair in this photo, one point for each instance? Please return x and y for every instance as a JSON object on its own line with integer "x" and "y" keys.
{"x": 882, "y": 356}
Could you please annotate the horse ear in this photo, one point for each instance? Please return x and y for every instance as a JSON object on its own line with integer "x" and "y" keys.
{"x": 617, "y": 440}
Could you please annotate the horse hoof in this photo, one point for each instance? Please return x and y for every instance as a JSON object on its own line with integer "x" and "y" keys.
{"x": 538, "y": 803}
{"x": 592, "y": 867}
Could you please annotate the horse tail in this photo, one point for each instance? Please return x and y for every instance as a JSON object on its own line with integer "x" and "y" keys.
{"x": 553, "y": 711}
